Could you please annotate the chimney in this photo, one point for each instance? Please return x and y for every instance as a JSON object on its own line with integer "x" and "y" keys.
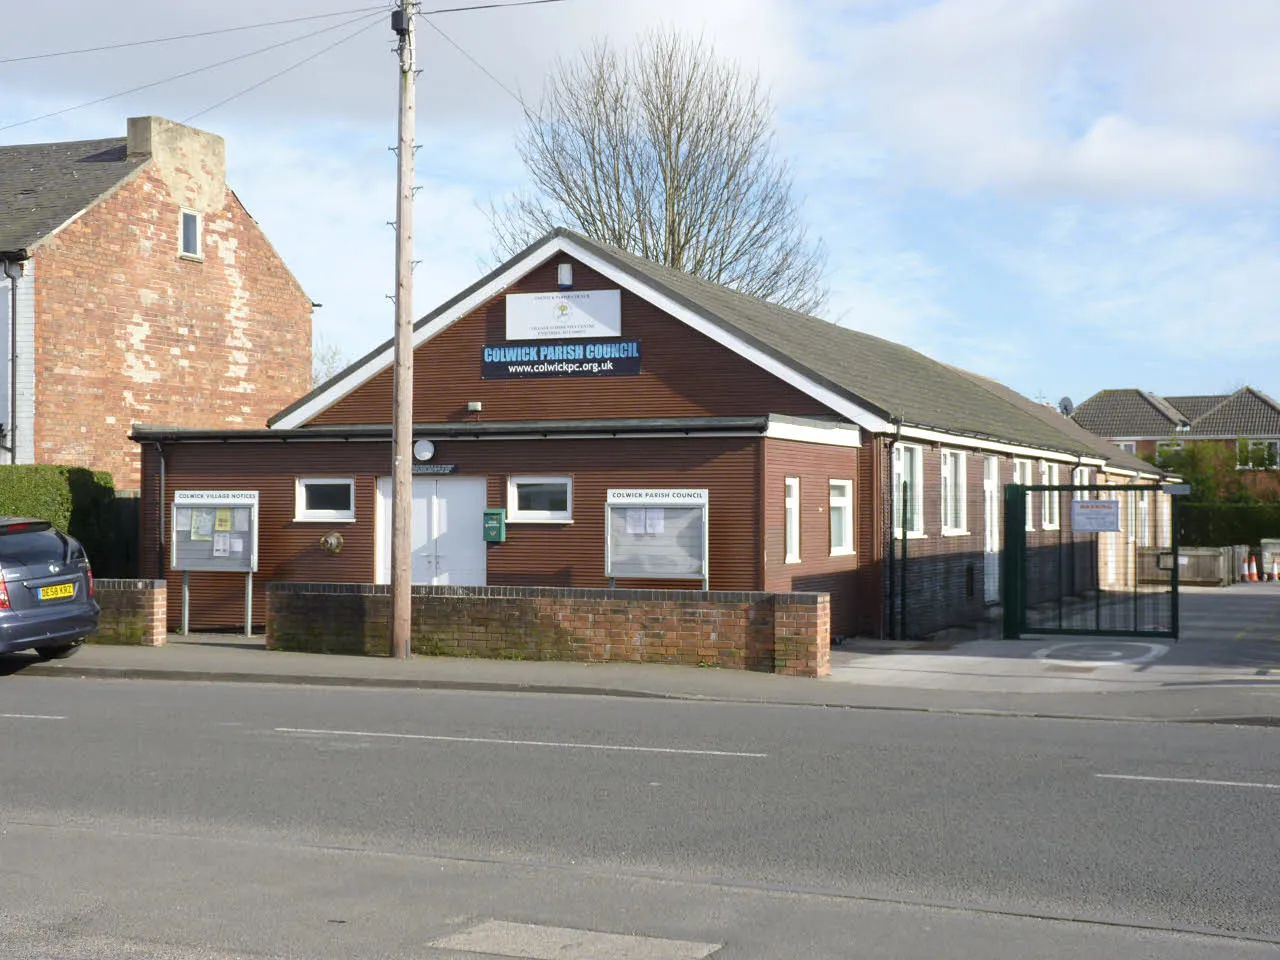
{"x": 191, "y": 162}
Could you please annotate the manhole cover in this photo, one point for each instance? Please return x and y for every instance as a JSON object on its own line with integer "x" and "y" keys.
{"x": 1101, "y": 653}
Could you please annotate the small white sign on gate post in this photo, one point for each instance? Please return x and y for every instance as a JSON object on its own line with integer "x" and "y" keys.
{"x": 1095, "y": 516}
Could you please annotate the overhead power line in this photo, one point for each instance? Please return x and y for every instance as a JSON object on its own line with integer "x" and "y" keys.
{"x": 189, "y": 36}
{"x": 486, "y": 6}
{"x": 281, "y": 73}
{"x": 196, "y": 70}
{"x": 480, "y": 66}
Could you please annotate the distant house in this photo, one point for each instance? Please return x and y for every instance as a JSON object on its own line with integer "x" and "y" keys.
{"x": 1247, "y": 421}
{"x": 576, "y": 373}
{"x": 135, "y": 287}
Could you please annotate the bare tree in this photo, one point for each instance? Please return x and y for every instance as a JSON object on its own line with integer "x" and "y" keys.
{"x": 669, "y": 153}
{"x": 327, "y": 360}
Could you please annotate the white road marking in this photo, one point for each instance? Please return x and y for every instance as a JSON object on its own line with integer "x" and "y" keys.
{"x": 536, "y": 942}
{"x": 1100, "y": 653}
{"x": 1206, "y": 783}
{"x": 28, "y": 716}
{"x": 520, "y": 743}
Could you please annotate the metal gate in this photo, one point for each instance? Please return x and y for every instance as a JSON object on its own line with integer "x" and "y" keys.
{"x": 1090, "y": 560}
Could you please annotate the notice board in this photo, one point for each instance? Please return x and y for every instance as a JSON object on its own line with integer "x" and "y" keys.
{"x": 215, "y": 530}
{"x": 657, "y": 534}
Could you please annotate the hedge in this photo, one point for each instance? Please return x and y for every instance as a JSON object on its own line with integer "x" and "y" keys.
{"x": 79, "y": 501}
{"x": 1225, "y": 524}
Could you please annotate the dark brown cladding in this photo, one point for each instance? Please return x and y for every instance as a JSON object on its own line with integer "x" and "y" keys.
{"x": 815, "y": 466}
{"x": 534, "y": 554}
{"x": 683, "y": 373}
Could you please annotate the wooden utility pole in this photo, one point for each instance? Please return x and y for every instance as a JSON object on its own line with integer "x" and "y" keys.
{"x": 402, "y": 22}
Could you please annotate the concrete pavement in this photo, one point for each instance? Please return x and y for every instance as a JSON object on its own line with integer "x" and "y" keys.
{"x": 1226, "y": 667}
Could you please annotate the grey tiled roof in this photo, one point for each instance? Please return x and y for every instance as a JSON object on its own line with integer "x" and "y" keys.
{"x": 1246, "y": 413}
{"x": 43, "y": 185}
{"x": 1049, "y": 414}
{"x": 1198, "y": 406}
{"x": 890, "y": 379}
{"x": 1127, "y": 413}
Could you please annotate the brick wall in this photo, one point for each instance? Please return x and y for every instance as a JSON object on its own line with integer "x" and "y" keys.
{"x": 786, "y": 633}
{"x": 127, "y": 331}
{"x": 133, "y": 612}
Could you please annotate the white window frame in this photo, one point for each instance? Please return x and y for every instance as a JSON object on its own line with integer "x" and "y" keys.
{"x": 302, "y": 515}
{"x": 791, "y": 520}
{"x": 1050, "y": 518}
{"x": 198, "y": 253}
{"x": 955, "y": 493}
{"x": 840, "y": 497}
{"x": 516, "y": 515}
{"x": 1022, "y": 476}
{"x": 1128, "y": 446}
{"x": 915, "y": 490}
{"x": 1080, "y": 478}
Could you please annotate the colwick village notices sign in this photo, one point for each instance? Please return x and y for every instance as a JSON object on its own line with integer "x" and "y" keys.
{"x": 569, "y": 333}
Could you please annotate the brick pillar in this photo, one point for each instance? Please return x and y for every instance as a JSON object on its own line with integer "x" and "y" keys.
{"x": 802, "y": 634}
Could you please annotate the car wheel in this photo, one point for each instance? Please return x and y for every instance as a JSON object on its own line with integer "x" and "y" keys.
{"x": 60, "y": 652}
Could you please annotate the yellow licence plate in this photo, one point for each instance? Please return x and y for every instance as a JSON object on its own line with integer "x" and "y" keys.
{"x": 58, "y": 591}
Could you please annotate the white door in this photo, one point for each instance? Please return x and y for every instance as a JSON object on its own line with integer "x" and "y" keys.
{"x": 447, "y": 539}
{"x": 991, "y": 532}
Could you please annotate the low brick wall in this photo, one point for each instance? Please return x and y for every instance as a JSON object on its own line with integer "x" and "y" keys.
{"x": 133, "y": 612}
{"x": 788, "y": 633}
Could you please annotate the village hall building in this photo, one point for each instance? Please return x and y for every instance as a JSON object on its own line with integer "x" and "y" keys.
{"x": 568, "y": 403}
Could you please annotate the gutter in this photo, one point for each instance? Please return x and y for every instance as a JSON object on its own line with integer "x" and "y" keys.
{"x": 13, "y": 271}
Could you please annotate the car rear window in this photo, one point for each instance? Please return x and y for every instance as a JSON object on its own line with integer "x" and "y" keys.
{"x": 20, "y": 549}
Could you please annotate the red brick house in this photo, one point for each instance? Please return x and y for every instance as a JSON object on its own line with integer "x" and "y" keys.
{"x": 136, "y": 287}
{"x": 575, "y": 372}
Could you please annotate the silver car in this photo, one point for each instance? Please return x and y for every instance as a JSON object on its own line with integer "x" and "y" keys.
{"x": 46, "y": 590}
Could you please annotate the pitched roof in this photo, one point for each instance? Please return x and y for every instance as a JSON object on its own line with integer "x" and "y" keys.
{"x": 1128, "y": 413}
{"x": 43, "y": 185}
{"x": 890, "y": 381}
{"x": 1197, "y": 406}
{"x": 1101, "y": 447}
{"x": 1246, "y": 413}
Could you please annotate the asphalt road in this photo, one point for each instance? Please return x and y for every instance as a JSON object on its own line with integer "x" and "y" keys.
{"x": 157, "y": 820}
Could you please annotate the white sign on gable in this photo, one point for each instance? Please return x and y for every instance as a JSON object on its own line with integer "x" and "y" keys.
{"x": 564, "y": 315}
{"x": 1095, "y": 516}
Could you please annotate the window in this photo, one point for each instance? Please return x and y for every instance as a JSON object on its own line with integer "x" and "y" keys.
{"x": 1258, "y": 454}
{"x": 955, "y": 519}
{"x": 1022, "y": 477}
{"x": 1049, "y": 499}
{"x": 539, "y": 500}
{"x": 191, "y": 246}
{"x": 1128, "y": 446}
{"x": 1144, "y": 519}
{"x": 908, "y": 469}
{"x": 326, "y": 499}
{"x": 841, "y": 517}
{"x": 1080, "y": 478}
{"x": 791, "y": 520}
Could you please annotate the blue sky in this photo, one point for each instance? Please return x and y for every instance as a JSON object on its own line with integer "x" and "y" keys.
{"x": 1066, "y": 195}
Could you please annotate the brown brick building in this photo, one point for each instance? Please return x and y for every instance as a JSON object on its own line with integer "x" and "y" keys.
{"x": 136, "y": 288}
{"x": 576, "y": 376}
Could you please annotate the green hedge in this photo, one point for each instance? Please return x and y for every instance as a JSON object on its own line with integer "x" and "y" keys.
{"x": 1225, "y": 524}
{"x": 76, "y": 500}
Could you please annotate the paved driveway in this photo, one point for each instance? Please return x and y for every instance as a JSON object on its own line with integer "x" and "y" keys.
{"x": 1229, "y": 636}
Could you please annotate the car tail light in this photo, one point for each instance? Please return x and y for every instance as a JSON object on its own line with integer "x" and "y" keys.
{"x": 89, "y": 573}
{"x": 4, "y": 593}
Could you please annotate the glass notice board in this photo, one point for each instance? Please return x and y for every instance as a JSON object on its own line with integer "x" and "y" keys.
{"x": 215, "y": 530}
{"x": 656, "y": 534}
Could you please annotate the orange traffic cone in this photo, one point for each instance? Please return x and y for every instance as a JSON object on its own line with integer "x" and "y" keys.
{"x": 1244, "y": 570}
{"x": 1275, "y": 567}
{"x": 1253, "y": 569}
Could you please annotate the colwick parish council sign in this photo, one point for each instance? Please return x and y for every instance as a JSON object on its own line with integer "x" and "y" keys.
{"x": 572, "y": 358}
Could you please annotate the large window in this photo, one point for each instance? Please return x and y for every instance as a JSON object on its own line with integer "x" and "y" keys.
{"x": 955, "y": 518}
{"x": 841, "y": 507}
{"x": 539, "y": 500}
{"x": 1258, "y": 454}
{"x": 1049, "y": 499}
{"x": 1022, "y": 477}
{"x": 325, "y": 499}
{"x": 791, "y": 519}
{"x": 908, "y": 469}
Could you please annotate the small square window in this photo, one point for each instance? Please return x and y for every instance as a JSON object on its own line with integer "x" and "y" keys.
{"x": 540, "y": 500}
{"x": 325, "y": 499}
{"x": 191, "y": 246}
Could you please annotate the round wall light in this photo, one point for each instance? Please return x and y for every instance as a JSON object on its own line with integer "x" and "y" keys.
{"x": 424, "y": 450}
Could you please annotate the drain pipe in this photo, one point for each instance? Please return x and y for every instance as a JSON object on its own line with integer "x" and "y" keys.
{"x": 160, "y": 515}
{"x": 887, "y": 616}
{"x": 12, "y": 270}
